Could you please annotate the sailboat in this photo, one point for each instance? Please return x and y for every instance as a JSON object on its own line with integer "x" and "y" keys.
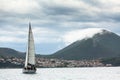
{"x": 29, "y": 66}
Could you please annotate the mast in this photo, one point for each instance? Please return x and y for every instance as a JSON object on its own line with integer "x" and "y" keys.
{"x": 30, "y": 54}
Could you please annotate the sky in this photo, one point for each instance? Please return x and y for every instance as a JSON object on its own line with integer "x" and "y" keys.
{"x": 55, "y": 23}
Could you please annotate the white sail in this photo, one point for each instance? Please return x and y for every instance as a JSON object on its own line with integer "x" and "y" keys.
{"x": 30, "y": 54}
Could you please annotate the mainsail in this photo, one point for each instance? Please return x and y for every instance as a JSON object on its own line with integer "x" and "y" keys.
{"x": 30, "y": 54}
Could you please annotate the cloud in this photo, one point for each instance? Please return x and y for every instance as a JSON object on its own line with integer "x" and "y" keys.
{"x": 12, "y": 35}
{"x": 18, "y": 6}
{"x": 45, "y": 11}
{"x": 80, "y": 10}
{"x": 20, "y": 35}
{"x": 60, "y": 7}
{"x": 69, "y": 10}
{"x": 75, "y": 35}
{"x": 46, "y": 35}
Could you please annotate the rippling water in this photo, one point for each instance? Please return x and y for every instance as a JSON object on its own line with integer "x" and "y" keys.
{"x": 98, "y": 73}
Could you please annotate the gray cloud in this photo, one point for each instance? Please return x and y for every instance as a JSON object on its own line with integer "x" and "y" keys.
{"x": 59, "y": 10}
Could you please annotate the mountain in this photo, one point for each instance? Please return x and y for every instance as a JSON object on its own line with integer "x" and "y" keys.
{"x": 7, "y": 52}
{"x": 103, "y": 44}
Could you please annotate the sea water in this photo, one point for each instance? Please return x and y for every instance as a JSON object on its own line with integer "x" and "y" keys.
{"x": 93, "y": 73}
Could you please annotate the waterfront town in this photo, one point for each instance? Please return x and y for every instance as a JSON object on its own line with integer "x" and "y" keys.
{"x": 53, "y": 63}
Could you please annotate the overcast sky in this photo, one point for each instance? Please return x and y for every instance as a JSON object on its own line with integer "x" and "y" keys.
{"x": 53, "y": 21}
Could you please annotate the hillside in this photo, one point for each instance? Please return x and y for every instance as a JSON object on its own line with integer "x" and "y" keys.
{"x": 103, "y": 44}
{"x": 7, "y": 52}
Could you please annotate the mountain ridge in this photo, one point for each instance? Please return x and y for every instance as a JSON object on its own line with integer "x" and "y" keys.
{"x": 9, "y": 52}
{"x": 101, "y": 45}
